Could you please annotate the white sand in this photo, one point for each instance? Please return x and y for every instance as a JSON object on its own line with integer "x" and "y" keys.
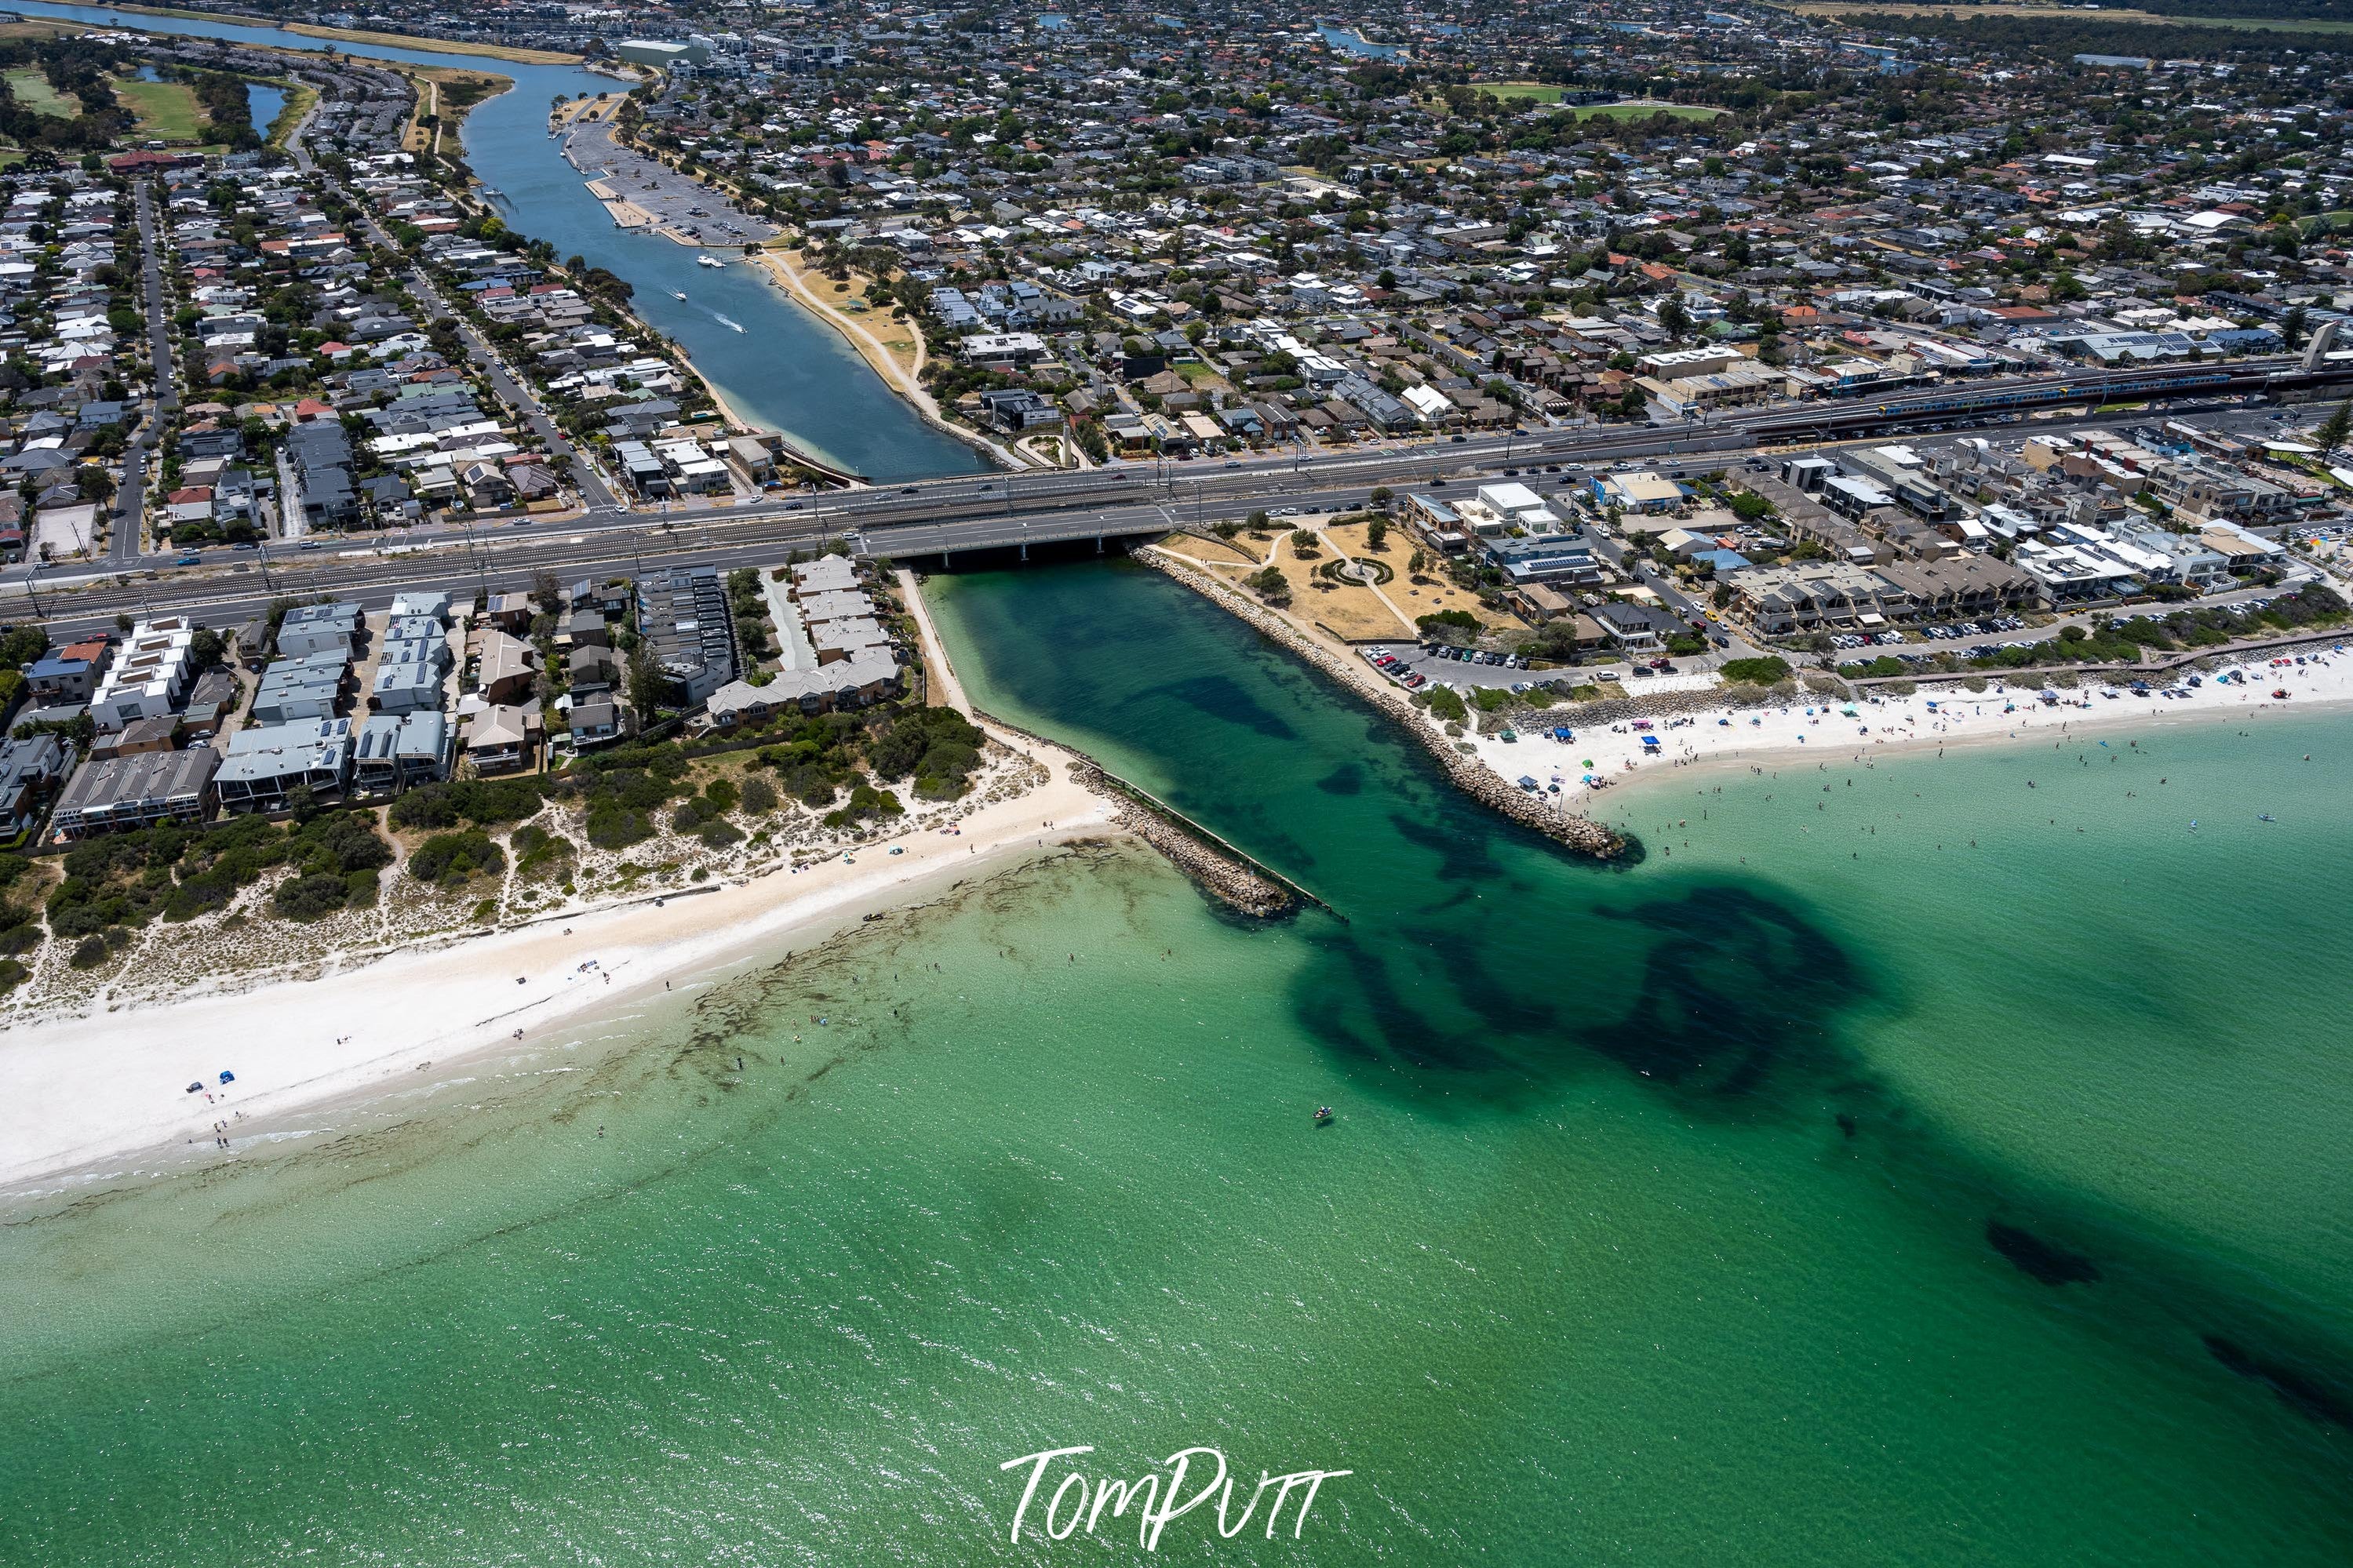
{"x": 1819, "y": 726}
{"x": 98, "y": 1089}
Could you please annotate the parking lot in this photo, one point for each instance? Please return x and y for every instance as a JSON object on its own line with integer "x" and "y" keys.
{"x": 675, "y": 203}
{"x": 1447, "y": 666}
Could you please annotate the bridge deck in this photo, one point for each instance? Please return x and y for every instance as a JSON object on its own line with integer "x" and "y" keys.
{"x": 939, "y": 539}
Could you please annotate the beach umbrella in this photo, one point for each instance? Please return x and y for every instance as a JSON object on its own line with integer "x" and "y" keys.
{"x": 1587, "y": 764}
{"x": 229, "y": 1077}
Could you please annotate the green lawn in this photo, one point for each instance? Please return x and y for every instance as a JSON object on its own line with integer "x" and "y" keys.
{"x": 33, "y": 90}
{"x": 1644, "y": 111}
{"x": 166, "y": 110}
{"x": 1545, "y": 92}
{"x": 1527, "y": 91}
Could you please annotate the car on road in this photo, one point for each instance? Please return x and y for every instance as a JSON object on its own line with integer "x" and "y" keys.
{"x": 191, "y": 559}
{"x": 245, "y": 544}
{"x": 308, "y": 544}
{"x": 1458, "y": 440}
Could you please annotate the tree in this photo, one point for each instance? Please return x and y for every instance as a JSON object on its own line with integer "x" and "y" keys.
{"x": 644, "y": 682}
{"x": 2334, "y": 429}
{"x": 206, "y": 649}
{"x": 1376, "y": 534}
{"x": 1674, "y": 320}
{"x": 2292, "y": 326}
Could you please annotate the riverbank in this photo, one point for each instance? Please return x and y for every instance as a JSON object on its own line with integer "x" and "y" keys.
{"x": 1471, "y": 773}
{"x": 445, "y": 96}
{"x": 362, "y": 35}
{"x": 1604, "y": 755}
{"x": 902, "y": 371}
{"x": 294, "y": 1046}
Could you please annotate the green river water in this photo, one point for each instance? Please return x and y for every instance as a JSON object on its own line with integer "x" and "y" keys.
{"x": 1882, "y": 1172}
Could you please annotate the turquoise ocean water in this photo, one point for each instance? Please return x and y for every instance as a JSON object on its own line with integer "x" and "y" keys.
{"x": 1884, "y": 1171}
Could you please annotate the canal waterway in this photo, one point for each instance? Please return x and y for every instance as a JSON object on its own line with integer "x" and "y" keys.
{"x": 1883, "y": 1170}
{"x": 786, "y": 371}
{"x": 265, "y": 103}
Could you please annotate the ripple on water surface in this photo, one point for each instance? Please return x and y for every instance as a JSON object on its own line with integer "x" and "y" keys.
{"x": 1784, "y": 1212}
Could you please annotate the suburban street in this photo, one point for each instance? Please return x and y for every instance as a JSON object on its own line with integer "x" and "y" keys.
{"x": 509, "y": 387}
{"x": 130, "y": 500}
{"x": 514, "y": 394}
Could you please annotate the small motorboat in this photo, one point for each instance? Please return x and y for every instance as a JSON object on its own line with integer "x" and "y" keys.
{"x": 677, "y": 293}
{"x": 2266, "y": 816}
{"x": 1323, "y": 1115}
{"x": 709, "y": 261}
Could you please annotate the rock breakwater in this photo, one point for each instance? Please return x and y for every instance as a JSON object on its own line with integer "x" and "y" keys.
{"x": 1224, "y": 879}
{"x": 1577, "y": 831}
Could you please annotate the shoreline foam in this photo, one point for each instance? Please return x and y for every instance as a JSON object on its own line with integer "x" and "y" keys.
{"x": 105, "y": 1087}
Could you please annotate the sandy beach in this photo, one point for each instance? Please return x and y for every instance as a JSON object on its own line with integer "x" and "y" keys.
{"x": 92, "y": 1091}
{"x": 1941, "y": 715}
{"x": 902, "y": 374}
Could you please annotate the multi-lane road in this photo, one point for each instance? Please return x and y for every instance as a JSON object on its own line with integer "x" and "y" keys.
{"x": 938, "y": 517}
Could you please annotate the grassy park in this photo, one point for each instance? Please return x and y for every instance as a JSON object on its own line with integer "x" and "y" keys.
{"x": 32, "y": 90}
{"x": 164, "y": 111}
{"x": 1546, "y": 92}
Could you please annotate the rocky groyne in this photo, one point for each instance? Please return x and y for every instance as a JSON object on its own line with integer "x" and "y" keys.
{"x": 1219, "y": 869}
{"x": 1577, "y": 831}
{"x": 1224, "y": 879}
